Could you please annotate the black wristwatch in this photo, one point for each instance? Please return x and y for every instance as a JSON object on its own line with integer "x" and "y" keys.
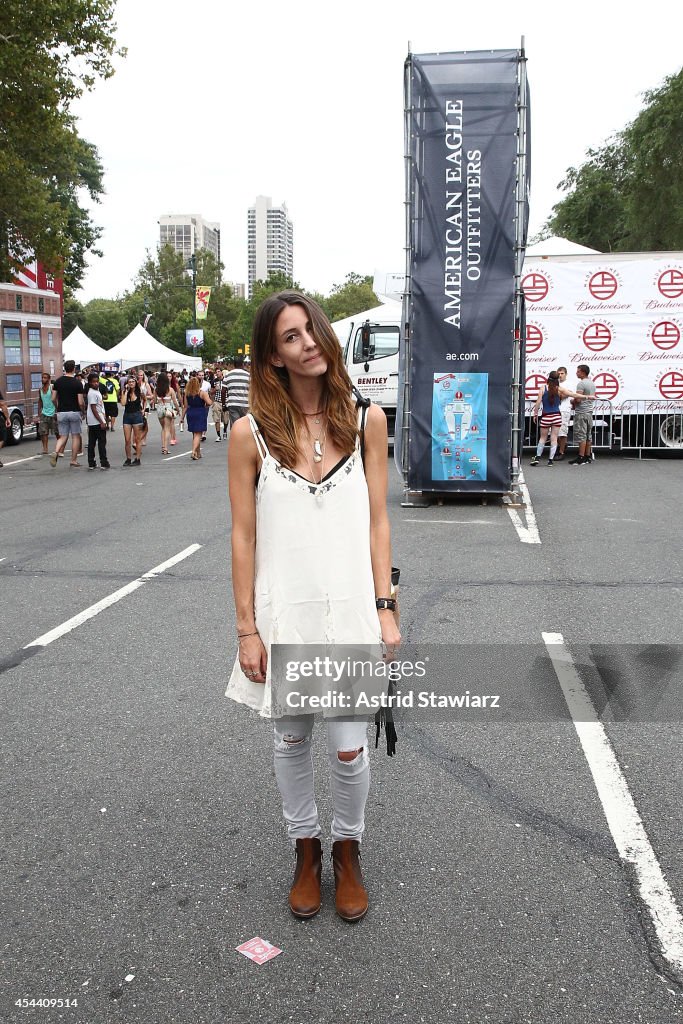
{"x": 386, "y": 602}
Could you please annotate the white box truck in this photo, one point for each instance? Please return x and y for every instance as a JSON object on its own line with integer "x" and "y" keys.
{"x": 370, "y": 341}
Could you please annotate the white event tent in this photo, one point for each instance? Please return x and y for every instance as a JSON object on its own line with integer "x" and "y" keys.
{"x": 557, "y": 246}
{"x": 81, "y": 349}
{"x": 139, "y": 348}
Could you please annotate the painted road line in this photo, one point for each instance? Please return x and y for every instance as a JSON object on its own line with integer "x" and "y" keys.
{"x": 30, "y": 458}
{"x": 458, "y": 522}
{"x": 95, "y": 609}
{"x": 526, "y": 531}
{"x": 626, "y": 826}
{"x": 172, "y": 457}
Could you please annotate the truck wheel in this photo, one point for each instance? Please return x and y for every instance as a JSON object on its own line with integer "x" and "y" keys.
{"x": 16, "y": 429}
{"x": 671, "y": 431}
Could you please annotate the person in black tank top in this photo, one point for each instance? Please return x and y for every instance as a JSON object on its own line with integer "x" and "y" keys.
{"x": 133, "y": 420}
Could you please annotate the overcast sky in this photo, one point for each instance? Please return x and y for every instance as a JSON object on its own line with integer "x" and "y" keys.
{"x": 217, "y": 103}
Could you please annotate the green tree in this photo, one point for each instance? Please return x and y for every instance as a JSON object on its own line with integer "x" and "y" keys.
{"x": 73, "y": 315}
{"x": 105, "y": 322}
{"x": 244, "y": 321}
{"x": 654, "y": 196}
{"x": 628, "y": 195}
{"x": 51, "y": 52}
{"x": 594, "y": 211}
{"x": 353, "y": 296}
{"x": 173, "y": 333}
{"x": 165, "y": 287}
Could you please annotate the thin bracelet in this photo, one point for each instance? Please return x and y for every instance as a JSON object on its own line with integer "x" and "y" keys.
{"x": 241, "y": 636}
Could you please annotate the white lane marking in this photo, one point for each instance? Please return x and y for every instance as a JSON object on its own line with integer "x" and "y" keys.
{"x": 608, "y": 519}
{"x": 625, "y": 824}
{"x": 527, "y": 532}
{"x": 30, "y": 458}
{"x": 106, "y": 602}
{"x": 459, "y": 522}
{"x": 172, "y": 457}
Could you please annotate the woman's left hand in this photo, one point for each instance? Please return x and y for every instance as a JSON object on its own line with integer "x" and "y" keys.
{"x": 391, "y": 634}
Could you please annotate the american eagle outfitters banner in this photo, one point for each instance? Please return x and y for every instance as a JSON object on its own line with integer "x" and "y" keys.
{"x": 462, "y": 141}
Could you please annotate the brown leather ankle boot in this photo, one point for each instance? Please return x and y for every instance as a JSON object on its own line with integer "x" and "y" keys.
{"x": 351, "y": 898}
{"x": 304, "y": 896}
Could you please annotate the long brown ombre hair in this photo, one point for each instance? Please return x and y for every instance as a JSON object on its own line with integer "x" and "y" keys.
{"x": 553, "y": 383}
{"x": 270, "y": 401}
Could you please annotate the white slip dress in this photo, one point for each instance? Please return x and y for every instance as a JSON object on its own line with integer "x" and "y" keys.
{"x": 314, "y": 582}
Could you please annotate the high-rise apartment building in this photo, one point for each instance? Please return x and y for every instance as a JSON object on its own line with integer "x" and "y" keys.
{"x": 188, "y": 232}
{"x": 270, "y": 241}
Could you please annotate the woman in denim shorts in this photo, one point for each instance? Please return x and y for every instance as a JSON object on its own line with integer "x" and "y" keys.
{"x": 133, "y": 420}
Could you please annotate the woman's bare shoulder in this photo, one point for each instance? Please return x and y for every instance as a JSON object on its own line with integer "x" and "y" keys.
{"x": 241, "y": 438}
{"x": 375, "y": 416}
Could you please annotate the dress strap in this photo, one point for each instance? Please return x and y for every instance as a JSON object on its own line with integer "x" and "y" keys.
{"x": 258, "y": 437}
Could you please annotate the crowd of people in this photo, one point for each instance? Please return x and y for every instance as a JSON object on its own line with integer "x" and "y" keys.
{"x": 96, "y": 395}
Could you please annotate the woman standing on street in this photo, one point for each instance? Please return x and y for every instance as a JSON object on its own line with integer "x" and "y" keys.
{"x": 167, "y": 407}
{"x": 311, "y": 563}
{"x": 175, "y": 387}
{"x": 196, "y": 410}
{"x": 550, "y": 397}
{"x": 131, "y": 399}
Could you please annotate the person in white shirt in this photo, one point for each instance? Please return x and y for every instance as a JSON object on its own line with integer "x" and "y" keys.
{"x": 565, "y": 412}
{"x": 96, "y": 421}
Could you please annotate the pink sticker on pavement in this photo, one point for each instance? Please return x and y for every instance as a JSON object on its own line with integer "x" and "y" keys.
{"x": 259, "y": 950}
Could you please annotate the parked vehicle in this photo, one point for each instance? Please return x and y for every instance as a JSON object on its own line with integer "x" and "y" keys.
{"x": 371, "y": 341}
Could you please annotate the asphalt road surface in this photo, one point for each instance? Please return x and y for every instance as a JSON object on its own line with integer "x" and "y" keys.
{"x": 526, "y": 868}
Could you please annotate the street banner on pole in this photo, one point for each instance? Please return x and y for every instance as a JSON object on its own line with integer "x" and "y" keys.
{"x": 462, "y": 150}
{"x": 194, "y": 337}
{"x": 201, "y": 301}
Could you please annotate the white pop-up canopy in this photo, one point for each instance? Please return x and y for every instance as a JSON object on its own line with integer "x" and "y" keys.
{"x": 82, "y": 350}
{"x": 139, "y": 348}
{"x": 556, "y": 246}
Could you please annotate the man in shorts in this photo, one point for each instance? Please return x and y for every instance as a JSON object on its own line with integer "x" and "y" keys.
{"x": 110, "y": 388}
{"x": 219, "y": 413}
{"x": 583, "y": 416}
{"x": 70, "y": 403}
{"x": 47, "y": 420}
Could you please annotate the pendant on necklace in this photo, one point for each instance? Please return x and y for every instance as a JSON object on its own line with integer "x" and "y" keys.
{"x": 317, "y": 451}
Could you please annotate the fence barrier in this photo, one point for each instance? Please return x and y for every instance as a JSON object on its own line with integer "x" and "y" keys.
{"x": 649, "y": 425}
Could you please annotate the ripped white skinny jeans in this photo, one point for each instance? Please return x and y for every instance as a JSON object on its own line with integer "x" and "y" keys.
{"x": 349, "y": 780}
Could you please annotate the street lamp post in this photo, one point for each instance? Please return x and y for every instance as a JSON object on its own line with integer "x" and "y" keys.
{"x": 192, "y": 265}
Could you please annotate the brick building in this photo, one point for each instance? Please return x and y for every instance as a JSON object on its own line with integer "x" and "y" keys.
{"x": 31, "y": 336}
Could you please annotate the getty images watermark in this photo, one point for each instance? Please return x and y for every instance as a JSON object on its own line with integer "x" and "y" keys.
{"x": 473, "y": 682}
